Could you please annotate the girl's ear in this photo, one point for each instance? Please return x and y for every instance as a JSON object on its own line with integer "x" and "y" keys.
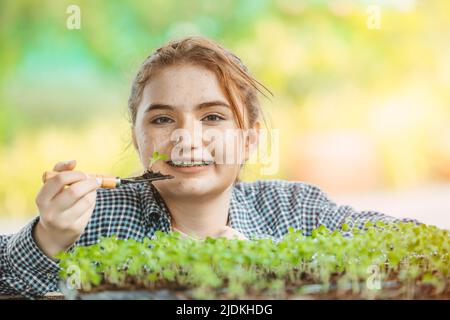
{"x": 252, "y": 140}
{"x": 133, "y": 136}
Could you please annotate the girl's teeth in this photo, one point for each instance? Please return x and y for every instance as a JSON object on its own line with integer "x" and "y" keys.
{"x": 188, "y": 164}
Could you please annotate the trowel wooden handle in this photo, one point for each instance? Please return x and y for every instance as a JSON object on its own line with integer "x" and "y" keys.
{"x": 105, "y": 181}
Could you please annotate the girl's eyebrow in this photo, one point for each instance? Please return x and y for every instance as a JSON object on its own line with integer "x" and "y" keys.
{"x": 162, "y": 106}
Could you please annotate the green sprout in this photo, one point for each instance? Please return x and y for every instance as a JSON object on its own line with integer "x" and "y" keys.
{"x": 409, "y": 261}
{"x": 156, "y": 156}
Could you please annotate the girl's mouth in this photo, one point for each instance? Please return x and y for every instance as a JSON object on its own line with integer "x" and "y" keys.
{"x": 189, "y": 166}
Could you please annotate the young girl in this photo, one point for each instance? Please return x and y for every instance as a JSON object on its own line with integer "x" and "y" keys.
{"x": 182, "y": 93}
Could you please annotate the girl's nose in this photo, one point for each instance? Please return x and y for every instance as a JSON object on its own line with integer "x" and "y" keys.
{"x": 189, "y": 135}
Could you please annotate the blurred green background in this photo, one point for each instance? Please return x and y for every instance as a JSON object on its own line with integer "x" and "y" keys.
{"x": 358, "y": 109}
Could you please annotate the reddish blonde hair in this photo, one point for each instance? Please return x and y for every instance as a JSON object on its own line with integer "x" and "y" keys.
{"x": 233, "y": 76}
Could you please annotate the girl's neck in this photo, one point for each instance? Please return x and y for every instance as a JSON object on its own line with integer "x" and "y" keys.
{"x": 199, "y": 217}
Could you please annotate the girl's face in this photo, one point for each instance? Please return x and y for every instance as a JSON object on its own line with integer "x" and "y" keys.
{"x": 183, "y": 113}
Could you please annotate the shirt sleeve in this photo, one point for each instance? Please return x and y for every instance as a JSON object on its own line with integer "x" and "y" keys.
{"x": 333, "y": 216}
{"x": 24, "y": 269}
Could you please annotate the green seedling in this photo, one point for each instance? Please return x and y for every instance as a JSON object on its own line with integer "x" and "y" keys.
{"x": 401, "y": 260}
{"x": 156, "y": 156}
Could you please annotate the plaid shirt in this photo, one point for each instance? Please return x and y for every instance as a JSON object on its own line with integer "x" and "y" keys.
{"x": 260, "y": 209}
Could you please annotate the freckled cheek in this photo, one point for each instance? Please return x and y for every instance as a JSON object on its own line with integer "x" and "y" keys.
{"x": 154, "y": 136}
{"x": 153, "y": 140}
{"x": 145, "y": 146}
{"x": 232, "y": 151}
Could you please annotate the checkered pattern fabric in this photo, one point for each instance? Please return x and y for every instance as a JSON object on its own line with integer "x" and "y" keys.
{"x": 260, "y": 209}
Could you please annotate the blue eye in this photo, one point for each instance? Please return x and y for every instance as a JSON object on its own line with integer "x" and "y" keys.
{"x": 213, "y": 117}
{"x": 162, "y": 120}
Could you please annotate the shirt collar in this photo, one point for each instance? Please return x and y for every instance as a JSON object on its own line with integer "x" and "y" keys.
{"x": 240, "y": 215}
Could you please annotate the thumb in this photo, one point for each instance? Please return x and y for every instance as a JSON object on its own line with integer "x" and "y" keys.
{"x": 231, "y": 233}
{"x": 65, "y": 165}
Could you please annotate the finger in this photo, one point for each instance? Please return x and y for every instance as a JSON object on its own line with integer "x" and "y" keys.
{"x": 65, "y": 165}
{"x": 231, "y": 233}
{"x": 226, "y": 229}
{"x": 84, "y": 219}
{"x": 69, "y": 196}
{"x": 55, "y": 184}
{"x": 224, "y": 232}
{"x": 81, "y": 210}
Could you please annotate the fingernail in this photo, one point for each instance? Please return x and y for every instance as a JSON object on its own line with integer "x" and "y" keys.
{"x": 69, "y": 162}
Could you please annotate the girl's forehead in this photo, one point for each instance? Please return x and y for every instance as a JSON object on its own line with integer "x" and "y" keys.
{"x": 183, "y": 84}
{"x": 184, "y": 87}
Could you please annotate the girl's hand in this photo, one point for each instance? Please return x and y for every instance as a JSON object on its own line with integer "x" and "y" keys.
{"x": 231, "y": 233}
{"x": 64, "y": 212}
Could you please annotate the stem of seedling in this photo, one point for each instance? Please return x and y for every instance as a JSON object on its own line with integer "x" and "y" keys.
{"x": 156, "y": 156}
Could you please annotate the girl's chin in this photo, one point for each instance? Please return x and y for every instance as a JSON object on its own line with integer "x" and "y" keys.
{"x": 191, "y": 189}
{"x": 187, "y": 183}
